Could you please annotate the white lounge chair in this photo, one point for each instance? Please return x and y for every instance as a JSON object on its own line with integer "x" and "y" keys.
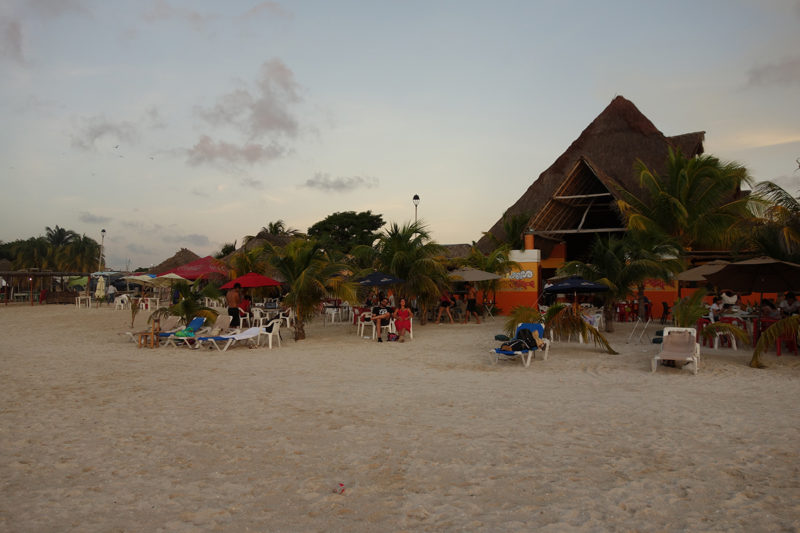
{"x": 680, "y": 345}
{"x": 228, "y": 340}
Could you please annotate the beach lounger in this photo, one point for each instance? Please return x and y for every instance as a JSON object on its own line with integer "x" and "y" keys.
{"x": 173, "y": 338}
{"x": 228, "y": 340}
{"x": 679, "y": 345}
{"x": 221, "y": 326}
{"x": 537, "y": 330}
{"x": 169, "y": 325}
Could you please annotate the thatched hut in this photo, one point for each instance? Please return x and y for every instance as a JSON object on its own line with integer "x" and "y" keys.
{"x": 575, "y": 198}
{"x": 181, "y": 257}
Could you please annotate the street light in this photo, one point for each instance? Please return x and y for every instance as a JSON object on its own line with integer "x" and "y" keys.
{"x": 416, "y": 203}
{"x": 100, "y": 259}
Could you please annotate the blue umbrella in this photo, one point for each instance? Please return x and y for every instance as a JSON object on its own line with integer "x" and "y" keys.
{"x": 575, "y": 284}
{"x": 379, "y": 279}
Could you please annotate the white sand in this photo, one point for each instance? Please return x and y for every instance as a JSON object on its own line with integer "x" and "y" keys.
{"x": 97, "y": 435}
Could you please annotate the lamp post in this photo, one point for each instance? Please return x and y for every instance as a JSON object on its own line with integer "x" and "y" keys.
{"x": 416, "y": 203}
{"x": 100, "y": 259}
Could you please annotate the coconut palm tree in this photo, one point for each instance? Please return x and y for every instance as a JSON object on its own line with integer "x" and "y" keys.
{"x": 786, "y": 327}
{"x": 776, "y": 232}
{"x": 35, "y": 252}
{"x": 496, "y": 262}
{"x": 697, "y": 201}
{"x": 81, "y": 255}
{"x": 188, "y": 306}
{"x": 311, "y": 276}
{"x": 407, "y": 252}
{"x": 559, "y": 318}
{"x": 622, "y": 263}
{"x": 58, "y": 236}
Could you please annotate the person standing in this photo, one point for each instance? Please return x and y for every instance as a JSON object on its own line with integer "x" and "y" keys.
{"x": 445, "y": 303}
{"x": 234, "y": 299}
{"x": 472, "y": 303}
{"x": 110, "y": 294}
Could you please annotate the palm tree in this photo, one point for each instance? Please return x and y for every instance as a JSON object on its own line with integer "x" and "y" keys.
{"x": 35, "y": 252}
{"x": 272, "y": 229}
{"x": 248, "y": 261}
{"x": 514, "y": 227}
{"x": 187, "y": 308}
{"x": 777, "y": 230}
{"x": 622, "y": 263}
{"x": 407, "y": 252}
{"x": 787, "y": 327}
{"x": 697, "y": 201}
{"x": 311, "y": 276}
{"x": 561, "y": 319}
{"x": 58, "y": 236}
{"x": 496, "y": 262}
{"x": 81, "y": 254}
{"x": 227, "y": 249}
{"x": 689, "y": 310}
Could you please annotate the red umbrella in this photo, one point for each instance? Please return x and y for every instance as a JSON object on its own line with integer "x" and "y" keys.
{"x": 203, "y": 267}
{"x": 251, "y": 279}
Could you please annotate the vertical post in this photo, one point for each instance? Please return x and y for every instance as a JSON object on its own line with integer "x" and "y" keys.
{"x": 100, "y": 259}
{"x": 416, "y": 203}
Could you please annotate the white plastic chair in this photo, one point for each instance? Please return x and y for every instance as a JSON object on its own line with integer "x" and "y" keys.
{"x": 122, "y": 302}
{"x": 272, "y": 329}
{"x": 365, "y": 320}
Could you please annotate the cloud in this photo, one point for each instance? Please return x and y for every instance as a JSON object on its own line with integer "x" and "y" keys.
{"x": 271, "y": 8}
{"x": 162, "y": 10}
{"x": 784, "y": 72}
{"x": 206, "y": 150}
{"x": 89, "y": 218}
{"x": 191, "y": 238}
{"x": 252, "y": 183}
{"x": 324, "y": 182}
{"x": 90, "y": 129}
{"x": 265, "y": 111}
{"x": 11, "y": 40}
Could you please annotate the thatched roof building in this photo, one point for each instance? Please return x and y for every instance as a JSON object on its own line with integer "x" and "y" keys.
{"x": 181, "y": 257}
{"x": 575, "y": 198}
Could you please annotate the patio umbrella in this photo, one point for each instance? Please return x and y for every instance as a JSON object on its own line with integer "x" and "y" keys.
{"x": 100, "y": 291}
{"x": 763, "y": 274}
{"x": 203, "y": 267}
{"x": 252, "y": 279}
{"x": 575, "y": 285}
{"x": 167, "y": 280}
{"x": 379, "y": 279}
{"x": 471, "y": 274}
{"x": 140, "y": 279}
{"x": 699, "y": 273}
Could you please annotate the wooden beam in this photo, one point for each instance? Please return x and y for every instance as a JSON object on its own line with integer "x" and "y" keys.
{"x": 576, "y": 196}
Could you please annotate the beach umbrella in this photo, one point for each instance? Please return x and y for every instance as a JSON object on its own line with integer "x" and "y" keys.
{"x": 762, "y": 274}
{"x": 471, "y": 274}
{"x": 140, "y": 279}
{"x": 100, "y": 291}
{"x": 167, "y": 280}
{"x": 575, "y": 285}
{"x": 699, "y": 273}
{"x": 200, "y": 268}
{"x": 378, "y": 279}
{"x": 252, "y": 279}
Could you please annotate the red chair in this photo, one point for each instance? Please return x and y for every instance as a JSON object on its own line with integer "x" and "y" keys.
{"x": 701, "y": 324}
{"x": 727, "y": 338}
{"x": 789, "y": 340}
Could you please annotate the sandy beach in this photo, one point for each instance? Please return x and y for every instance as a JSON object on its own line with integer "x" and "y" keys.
{"x": 426, "y": 435}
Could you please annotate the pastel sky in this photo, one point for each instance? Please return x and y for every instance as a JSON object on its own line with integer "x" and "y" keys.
{"x": 192, "y": 123}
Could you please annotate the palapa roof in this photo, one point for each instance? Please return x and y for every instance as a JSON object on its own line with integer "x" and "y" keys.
{"x": 181, "y": 257}
{"x": 599, "y": 161}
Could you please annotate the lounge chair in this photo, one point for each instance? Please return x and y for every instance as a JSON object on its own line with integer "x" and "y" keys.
{"x": 169, "y": 325}
{"x": 537, "y": 331}
{"x": 679, "y": 344}
{"x": 228, "y": 340}
{"x": 176, "y": 337}
{"x": 221, "y": 326}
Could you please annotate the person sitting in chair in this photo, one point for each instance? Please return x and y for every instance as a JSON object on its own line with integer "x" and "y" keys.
{"x": 381, "y": 314}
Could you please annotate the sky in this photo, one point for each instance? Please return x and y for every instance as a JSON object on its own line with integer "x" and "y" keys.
{"x": 192, "y": 123}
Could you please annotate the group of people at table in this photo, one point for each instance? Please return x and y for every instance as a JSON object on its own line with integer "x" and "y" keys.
{"x": 727, "y": 307}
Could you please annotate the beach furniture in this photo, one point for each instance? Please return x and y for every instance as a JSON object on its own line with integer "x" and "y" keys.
{"x": 365, "y": 320}
{"x": 679, "y": 344}
{"x": 170, "y": 325}
{"x": 171, "y": 337}
{"x": 524, "y": 355}
{"x": 272, "y": 329}
{"x": 228, "y": 340}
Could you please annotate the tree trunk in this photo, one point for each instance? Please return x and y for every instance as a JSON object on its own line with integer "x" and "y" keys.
{"x": 642, "y": 306}
{"x": 299, "y": 328}
{"x": 423, "y": 314}
{"x": 608, "y": 318}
